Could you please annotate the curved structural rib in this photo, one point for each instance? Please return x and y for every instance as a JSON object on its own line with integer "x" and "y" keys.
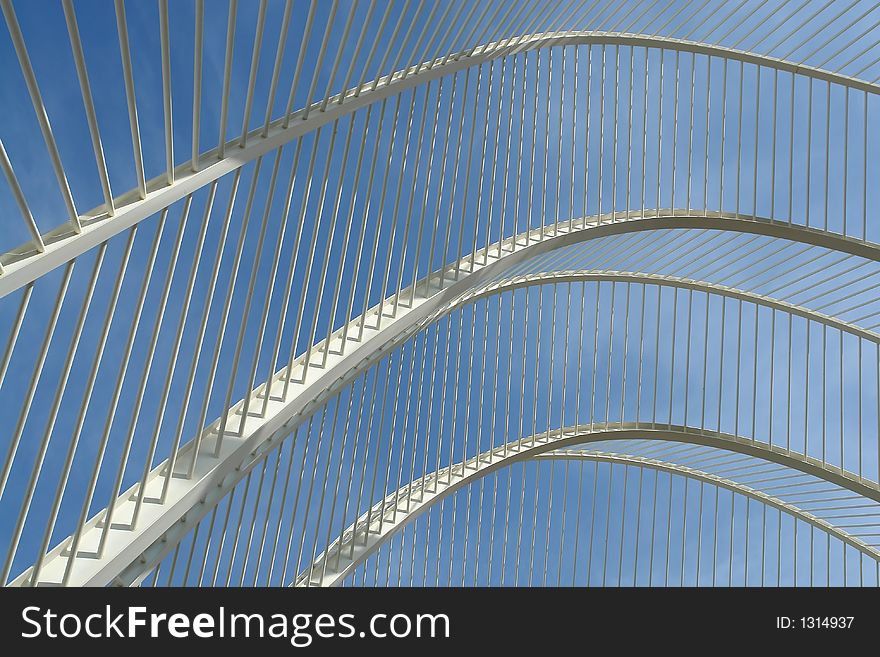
{"x": 26, "y": 264}
{"x": 638, "y": 278}
{"x": 379, "y": 524}
{"x": 142, "y": 533}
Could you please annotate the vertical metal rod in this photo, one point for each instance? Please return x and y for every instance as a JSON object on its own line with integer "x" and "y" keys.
{"x": 279, "y": 57}
{"x": 88, "y": 103}
{"x": 111, "y": 412}
{"x": 302, "y": 470}
{"x": 325, "y": 41}
{"x": 241, "y": 507}
{"x": 15, "y": 330}
{"x": 320, "y": 510}
{"x": 145, "y": 375}
{"x": 409, "y": 213}
{"x": 623, "y": 524}
{"x": 264, "y": 462}
{"x": 294, "y": 445}
{"x": 490, "y": 214}
{"x": 328, "y": 244}
{"x": 197, "y": 351}
{"x": 197, "y": 82}
{"x": 26, "y": 215}
{"x": 227, "y": 76}
{"x": 224, "y": 316}
{"x": 346, "y": 240}
{"x": 375, "y": 257}
{"x": 35, "y": 376}
{"x": 61, "y": 387}
{"x": 222, "y": 427}
{"x": 605, "y": 539}
{"x": 280, "y": 514}
{"x": 84, "y": 405}
{"x": 592, "y": 522}
{"x": 30, "y": 79}
{"x": 125, "y": 52}
{"x": 423, "y": 210}
{"x": 357, "y": 435}
{"x": 365, "y": 29}
{"x": 252, "y": 77}
{"x": 165, "y": 46}
{"x": 467, "y": 170}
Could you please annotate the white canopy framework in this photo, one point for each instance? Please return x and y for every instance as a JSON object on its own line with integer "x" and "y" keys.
{"x": 489, "y": 242}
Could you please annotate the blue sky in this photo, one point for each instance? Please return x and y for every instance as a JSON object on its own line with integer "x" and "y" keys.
{"x": 461, "y": 201}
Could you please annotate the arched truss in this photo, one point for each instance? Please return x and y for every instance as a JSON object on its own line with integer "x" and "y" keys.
{"x": 142, "y": 524}
{"x": 325, "y": 372}
{"x": 371, "y": 531}
{"x": 29, "y": 262}
{"x": 628, "y": 513}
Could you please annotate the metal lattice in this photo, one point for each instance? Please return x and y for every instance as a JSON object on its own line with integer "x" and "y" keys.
{"x": 532, "y": 293}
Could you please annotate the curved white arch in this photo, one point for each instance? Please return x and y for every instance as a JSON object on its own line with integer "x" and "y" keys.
{"x": 130, "y": 550}
{"x": 639, "y": 278}
{"x": 164, "y": 511}
{"x": 374, "y": 528}
{"x": 60, "y": 245}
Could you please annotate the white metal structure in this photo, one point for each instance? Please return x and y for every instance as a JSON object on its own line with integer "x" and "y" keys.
{"x": 464, "y": 268}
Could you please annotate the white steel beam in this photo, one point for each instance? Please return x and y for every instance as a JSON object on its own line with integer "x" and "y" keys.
{"x": 376, "y": 527}
{"x": 131, "y": 549}
{"x": 27, "y": 263}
